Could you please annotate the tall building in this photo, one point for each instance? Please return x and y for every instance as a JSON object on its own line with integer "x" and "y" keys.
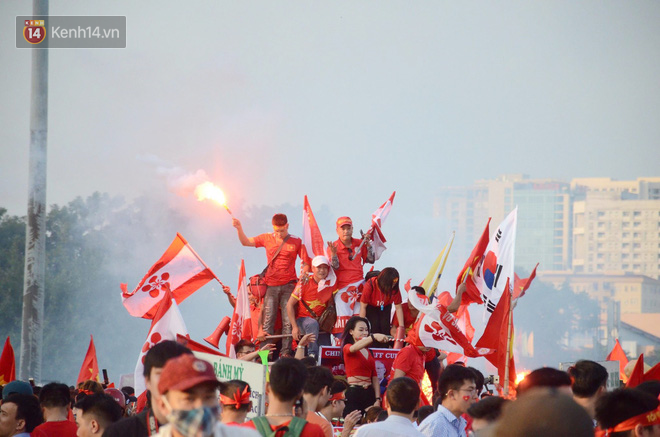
{"x": 590, "y": 225}
{"x": 616, "y": 226}
{"x": 544, "y": 217}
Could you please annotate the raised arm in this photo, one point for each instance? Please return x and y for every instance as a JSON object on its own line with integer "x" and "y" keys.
{"x": 456, "y": 303}
{"x": 366, "y": 341}
{"x": 245, "y": 241}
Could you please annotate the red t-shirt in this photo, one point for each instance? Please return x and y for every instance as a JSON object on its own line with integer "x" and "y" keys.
{"x": 310, "y": 294}
{"x": 309, "y": 430}
{"x": 283, "y": 269}
{"x": 357, "y": 365}
{"x": 408, "y": 318}
{"x": 372, "y": 295}
{"x": 410, "y": 360}
{"x": 349, "y": 271}
{"x": 62, "y": 428}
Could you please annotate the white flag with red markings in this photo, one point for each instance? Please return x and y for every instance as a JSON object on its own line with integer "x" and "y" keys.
{"x": 241, "y": 325}
{"x": 166, "y": 324}
{"x": 311, "y": 237}
{"x": 379, "y": 216}
{"x": 438, "y": 328}
{"x": 180, "y": 270}
{"x": 377, "y": 220}
{"x": 495, "y": 271}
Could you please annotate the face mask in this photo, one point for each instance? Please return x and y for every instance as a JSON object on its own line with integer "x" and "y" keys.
{"x": 195, "y": 423}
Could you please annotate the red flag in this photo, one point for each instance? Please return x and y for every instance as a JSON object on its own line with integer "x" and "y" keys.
{"x": 311, "y": 236}
{"x": 520, "y": 286}
{"x": 472, "y": 293}
{"x": 496, "y": 336}
{"x": 90, "y": 365}
{"x": 637, "y": 375}
{"x": 7, "y": 364}
{"x": 241, "y": 325}
{"x": 406, "y": 286}
{"x": 619, "y": 355}
{"x": 180, "y": 270}
{"x": 166, "y": 324}
{"x": 653, "y": 374}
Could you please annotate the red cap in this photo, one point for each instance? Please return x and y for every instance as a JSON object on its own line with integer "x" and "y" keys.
{"x": 341, "y": 221}
{"x": 117, "y": 395}
{"x": 184, "y": 372}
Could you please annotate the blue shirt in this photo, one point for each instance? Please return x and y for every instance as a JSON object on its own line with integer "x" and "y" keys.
{"x": 443, "y": 423}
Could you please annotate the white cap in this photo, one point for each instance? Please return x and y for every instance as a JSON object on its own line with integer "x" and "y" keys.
{"x": 319, "y": 260}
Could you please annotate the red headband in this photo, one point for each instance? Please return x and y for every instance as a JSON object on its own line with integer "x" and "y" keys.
{"x": 645, "y": 419}
{"x": 338, "y": 397}
{"x": 243, "y": 398}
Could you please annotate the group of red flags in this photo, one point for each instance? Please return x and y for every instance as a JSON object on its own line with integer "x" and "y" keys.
{"x": 180, "y": 272}
{"x": 88, "y": 370}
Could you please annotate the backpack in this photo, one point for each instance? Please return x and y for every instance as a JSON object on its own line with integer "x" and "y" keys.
{"x": 294, "y": 429}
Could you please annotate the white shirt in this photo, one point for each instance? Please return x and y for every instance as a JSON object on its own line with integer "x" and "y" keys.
{"x": 393, "y": 426}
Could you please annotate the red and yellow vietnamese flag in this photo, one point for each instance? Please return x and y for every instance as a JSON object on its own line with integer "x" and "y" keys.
{"x": 90, "y": 365}
{"x": 7, "y": 364}
{"x": 520, "y": 286}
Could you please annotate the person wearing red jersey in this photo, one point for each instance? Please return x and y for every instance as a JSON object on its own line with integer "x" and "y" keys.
{"x": 410, "y": 313}
{"x": 348, "y": 265}
{"x": 282, "y": 249}
{"x": 309, "y": 299}
{"x": 410, "y": 362}
{"x": 54, "y": 399}
{"x": 361, "y": 375}
{"x": 378, "y": 296}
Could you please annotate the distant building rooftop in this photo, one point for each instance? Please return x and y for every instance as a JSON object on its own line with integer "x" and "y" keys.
{"x": 648, "y": 323}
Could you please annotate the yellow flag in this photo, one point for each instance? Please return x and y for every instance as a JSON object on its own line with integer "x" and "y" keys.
{"x": 433, "y": 272}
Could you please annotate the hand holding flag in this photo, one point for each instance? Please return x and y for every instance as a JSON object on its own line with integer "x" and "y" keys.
{"x": 374, "y": 232}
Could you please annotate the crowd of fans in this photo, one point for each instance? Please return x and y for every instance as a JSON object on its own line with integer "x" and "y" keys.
{"x": 184, "y": 398}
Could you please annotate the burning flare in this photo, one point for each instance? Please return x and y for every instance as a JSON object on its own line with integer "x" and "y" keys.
{"x": 520, "y": 376}
{"x": 208, "y": 190}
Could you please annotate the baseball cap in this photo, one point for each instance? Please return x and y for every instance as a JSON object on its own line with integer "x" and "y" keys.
{"x": 184, "y": 372}
{"x": 117, "y": 395}
{"x": 341, "y": 221}
{"x": 320, "y": 260}
{"x": 16, "y": 386}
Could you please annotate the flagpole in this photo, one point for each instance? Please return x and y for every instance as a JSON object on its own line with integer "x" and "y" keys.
{"x": 508, "y": 345}
{"x": 200, "y": 260}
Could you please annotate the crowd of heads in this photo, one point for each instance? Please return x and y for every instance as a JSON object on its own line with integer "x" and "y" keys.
{"x": 549, "y": 401}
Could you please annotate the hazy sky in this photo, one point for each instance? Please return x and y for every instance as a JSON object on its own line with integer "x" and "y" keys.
{"x": 343, "y": 101}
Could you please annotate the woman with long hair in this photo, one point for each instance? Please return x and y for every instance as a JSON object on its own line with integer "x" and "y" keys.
{"x": 363, "y": 385}
{"x": 378, "y": 295}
